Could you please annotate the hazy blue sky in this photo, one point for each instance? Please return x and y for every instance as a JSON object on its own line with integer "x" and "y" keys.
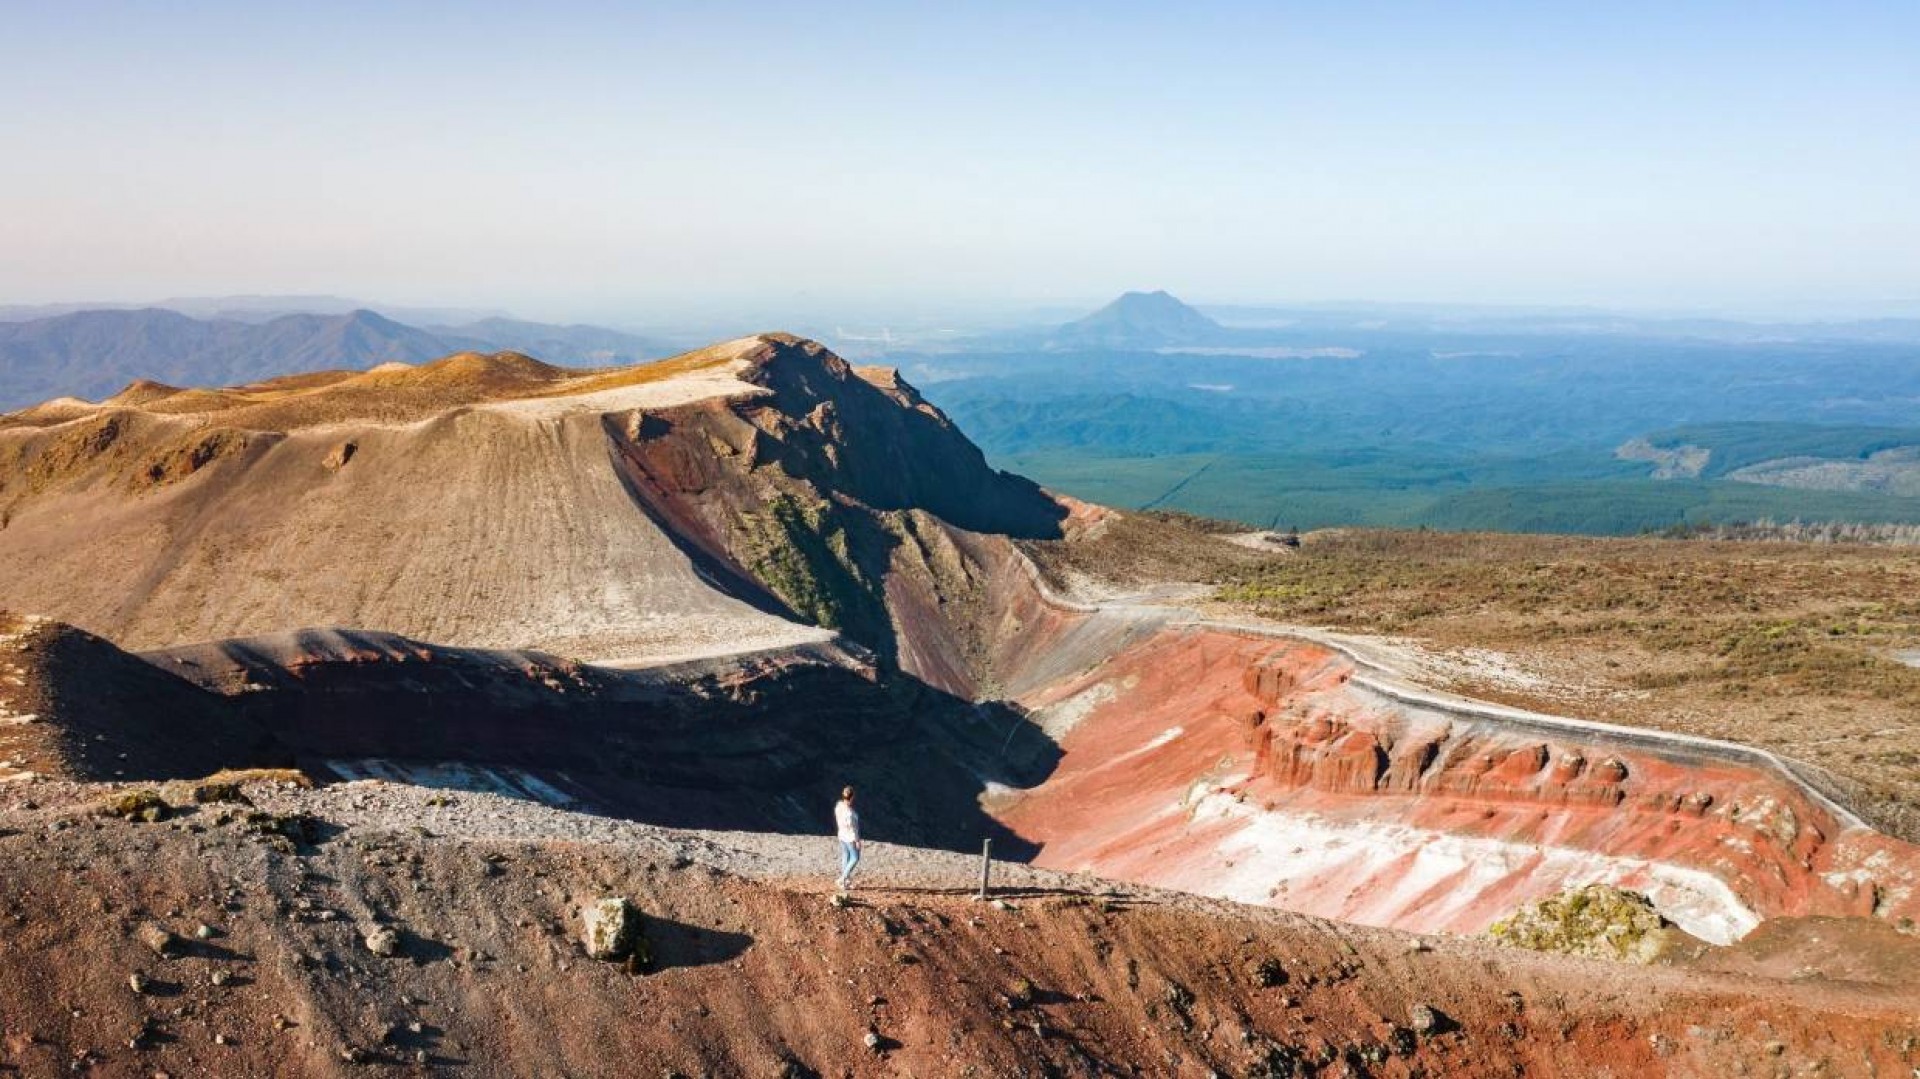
{"x": 616, "y": 160}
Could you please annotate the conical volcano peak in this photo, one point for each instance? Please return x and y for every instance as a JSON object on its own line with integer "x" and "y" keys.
{"x": 1139, "y": 320}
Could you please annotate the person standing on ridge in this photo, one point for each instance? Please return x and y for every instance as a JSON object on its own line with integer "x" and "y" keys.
{"x": 846, "y": 824}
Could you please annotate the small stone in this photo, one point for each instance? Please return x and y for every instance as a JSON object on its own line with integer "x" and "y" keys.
{"x": 203, "y": 931}
{"x": 220, "y": 977}
{"x": 873, "y": 1040}
{"x": 138, "y": 982}
{"x": 158, "y": 940}
{"x": 383, "y": 941}
{"x": 1424, "y": 1019}
{"x": 219, "y": 1039}
{"x": 1267, "y": 972}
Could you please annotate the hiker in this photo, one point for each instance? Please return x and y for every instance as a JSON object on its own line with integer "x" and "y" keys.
{"x": 846, "y": 824}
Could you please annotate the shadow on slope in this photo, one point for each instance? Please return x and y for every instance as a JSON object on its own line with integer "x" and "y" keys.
{"x": 761, "y": 743}
{"x": 98, "y": 713}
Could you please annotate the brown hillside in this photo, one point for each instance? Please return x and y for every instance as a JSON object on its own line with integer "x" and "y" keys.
{"x": 713, "y": 501}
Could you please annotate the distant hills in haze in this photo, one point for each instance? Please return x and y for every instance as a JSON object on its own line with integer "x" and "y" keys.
{"x": 1533, "y": 419}
{"x": 94, "y": 353}
{"x": 1160, "y": 322}
{"x": 249, "y": 307}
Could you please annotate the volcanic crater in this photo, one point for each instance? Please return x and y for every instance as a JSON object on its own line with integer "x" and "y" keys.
{"x": 705, "y": 593}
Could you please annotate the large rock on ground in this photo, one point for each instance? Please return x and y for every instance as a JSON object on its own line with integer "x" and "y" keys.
{"x": 1596, "y": 920}
{"x": 610, "y": 928}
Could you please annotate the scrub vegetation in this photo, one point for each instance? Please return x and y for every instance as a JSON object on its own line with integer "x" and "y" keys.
{"x": 1805, "y": 648}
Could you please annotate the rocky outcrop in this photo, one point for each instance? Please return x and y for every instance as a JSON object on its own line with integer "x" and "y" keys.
{"x": 757, "y": 741}
{"x": 851, "y": 501}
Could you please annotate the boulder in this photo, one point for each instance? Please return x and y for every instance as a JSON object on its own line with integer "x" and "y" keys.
{"x": 1596, "y": 920}
{"x": 610, "y": 928}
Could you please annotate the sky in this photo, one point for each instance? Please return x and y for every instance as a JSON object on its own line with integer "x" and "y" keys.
{"x": 632, "y": 161}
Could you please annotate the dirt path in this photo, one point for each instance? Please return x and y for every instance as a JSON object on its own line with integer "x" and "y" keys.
{"x": 1175, "y": 489}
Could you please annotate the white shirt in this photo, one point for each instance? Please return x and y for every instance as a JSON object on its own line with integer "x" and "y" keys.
{"x": 846, "y": 822}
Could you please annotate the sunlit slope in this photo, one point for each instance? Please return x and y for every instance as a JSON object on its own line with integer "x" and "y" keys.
{"x": 468, "y": 501}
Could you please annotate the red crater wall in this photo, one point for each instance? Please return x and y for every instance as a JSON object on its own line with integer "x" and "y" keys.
{"x": 1276, "y": 771}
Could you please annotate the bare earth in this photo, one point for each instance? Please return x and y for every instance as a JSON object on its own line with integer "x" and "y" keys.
{"x": 753, "y": 973}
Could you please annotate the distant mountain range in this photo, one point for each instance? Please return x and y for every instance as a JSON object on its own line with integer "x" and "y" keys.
{"x": 94, "y": 353}
{"x": 259, "y": 308}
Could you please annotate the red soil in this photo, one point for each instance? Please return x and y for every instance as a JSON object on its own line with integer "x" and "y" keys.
{"x": 756, "y": 978}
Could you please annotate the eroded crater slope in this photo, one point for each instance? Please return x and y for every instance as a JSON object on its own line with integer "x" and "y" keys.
{"x": 710, "y": 590}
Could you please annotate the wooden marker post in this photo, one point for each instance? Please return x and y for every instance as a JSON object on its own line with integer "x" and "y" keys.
{"x": 986, "y": 866}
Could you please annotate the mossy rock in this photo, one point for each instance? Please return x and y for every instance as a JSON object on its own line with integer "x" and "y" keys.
{"x": 1597, "y": 921}
{"x": 611, "y": 930}
{"x": 287, "y": 830}
{"x": 144, "y": 804}
{"x": 212, "y": 792}
{"x": 1020, "y": 992}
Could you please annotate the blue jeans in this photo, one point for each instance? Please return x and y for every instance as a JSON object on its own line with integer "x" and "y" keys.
{"x": 849, "y": 857}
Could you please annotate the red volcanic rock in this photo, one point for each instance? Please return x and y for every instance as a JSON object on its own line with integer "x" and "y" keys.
{"x": 1522, "y": 766}
{"x": 1411, "y": 759}
{"x": 755, "y": 975}
{"x": 1347, "y": 803}
{"x": 1270, "y": 681}
{"x": 1611, "y": 770}
{"x": 1354, "y": 763}
{"x": 1568, "y": 767}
